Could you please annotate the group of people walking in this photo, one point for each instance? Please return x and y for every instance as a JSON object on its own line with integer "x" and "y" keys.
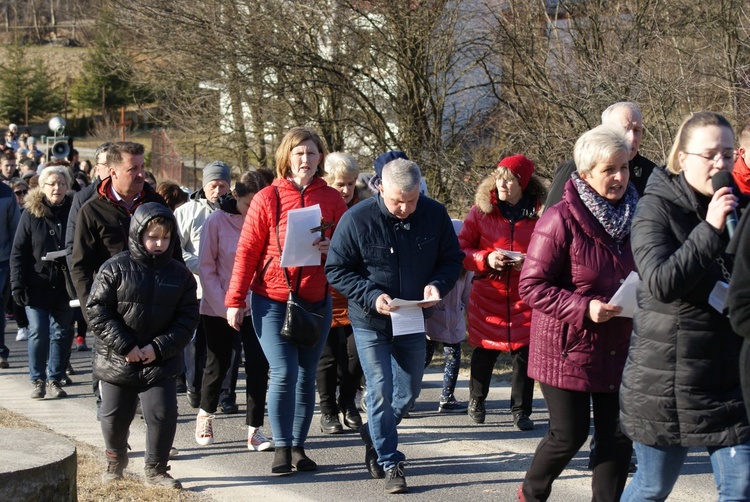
{"x": 532, "y": 270}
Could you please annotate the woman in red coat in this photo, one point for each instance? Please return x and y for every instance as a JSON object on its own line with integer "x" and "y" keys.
{"x": 291, "y": 391}
{"x": 577, "y": 258}
{"x": 503, "y": 218}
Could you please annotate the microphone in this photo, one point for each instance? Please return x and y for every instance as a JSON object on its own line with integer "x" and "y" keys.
{"x": 724, "y": 179}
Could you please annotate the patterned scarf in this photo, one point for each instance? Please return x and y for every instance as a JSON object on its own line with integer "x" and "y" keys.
{"x": 616, "y": 218}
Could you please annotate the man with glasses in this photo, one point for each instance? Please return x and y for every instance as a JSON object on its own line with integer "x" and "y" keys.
{"x": 624, "y": 115}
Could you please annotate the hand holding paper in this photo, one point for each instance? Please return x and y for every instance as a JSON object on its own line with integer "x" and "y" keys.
{"x": 625, "y": 296}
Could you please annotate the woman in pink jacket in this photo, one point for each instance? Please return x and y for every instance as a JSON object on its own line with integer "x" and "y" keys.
{"x": 502, "y": 220}
{"x": 578, "y": 256}
{"x": 218, "y": 245}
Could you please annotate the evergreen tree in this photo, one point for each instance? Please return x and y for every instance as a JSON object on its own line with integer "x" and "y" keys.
{"x": 21, "y": 78}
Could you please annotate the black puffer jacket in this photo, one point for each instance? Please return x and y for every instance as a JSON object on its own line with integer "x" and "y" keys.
{"x": 41, "y": 231}
{"x": 681, "y": 382}
{"x": 137, "y": 299}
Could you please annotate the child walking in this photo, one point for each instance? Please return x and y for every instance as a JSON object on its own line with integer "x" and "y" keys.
{"x": 143, "y": 311}
{"x": 448, "y": 326}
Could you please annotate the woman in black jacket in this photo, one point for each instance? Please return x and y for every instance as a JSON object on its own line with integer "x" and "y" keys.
{"x": 680, "y": 386}
{"x": 38, "y": 280}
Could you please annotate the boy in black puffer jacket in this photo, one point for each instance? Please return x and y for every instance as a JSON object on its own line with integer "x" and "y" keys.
{"x": 143, "y": 311}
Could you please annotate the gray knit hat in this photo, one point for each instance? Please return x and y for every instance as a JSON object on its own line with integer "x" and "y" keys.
{"x": 216, "y": 170}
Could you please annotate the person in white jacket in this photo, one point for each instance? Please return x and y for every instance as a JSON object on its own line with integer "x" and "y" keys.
{"x": 190, "y": 219}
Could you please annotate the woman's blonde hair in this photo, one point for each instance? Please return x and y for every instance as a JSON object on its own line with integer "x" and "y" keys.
{"x": 291, "y": 140}
{"x": 685, "y": 134}
{"x": 340, "y": 164}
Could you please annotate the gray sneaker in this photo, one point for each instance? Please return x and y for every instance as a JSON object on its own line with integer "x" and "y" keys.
{"x": 55, "y": 389}
{"x": 39, "y": 389}
{"x": 116, "y": 465}
{"x": 396, "y": 479}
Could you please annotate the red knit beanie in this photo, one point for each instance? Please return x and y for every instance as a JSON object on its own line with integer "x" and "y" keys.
{"x": 520, "y": 166}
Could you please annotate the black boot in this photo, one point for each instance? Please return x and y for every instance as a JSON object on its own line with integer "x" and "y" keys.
{"x": 156, "y": 475}
{"x": 300, "y": 461}
{"x": 282, "y": 460}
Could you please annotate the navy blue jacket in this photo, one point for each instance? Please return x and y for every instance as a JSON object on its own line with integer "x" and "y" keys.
{"x": 373, "y": 252}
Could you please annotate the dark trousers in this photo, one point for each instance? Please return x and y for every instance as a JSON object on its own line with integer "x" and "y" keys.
{"x": 338, "y": 367}
{"x": 569, "y": 424}
{"x": 195, "y": 359}
{"x": 219, "y": 343}
{"x": 521, "y": 386}
{"x": 159, "y": 405}
{"x": 229, "y": 384}
{"x": 20, "y": 313}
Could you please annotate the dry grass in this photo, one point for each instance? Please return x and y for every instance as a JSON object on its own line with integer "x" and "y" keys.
{"x": 90, "y": 468}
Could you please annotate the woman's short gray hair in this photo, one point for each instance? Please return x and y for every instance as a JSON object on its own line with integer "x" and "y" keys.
{"x": 402, "y": 174}
{"x": 49, "y": 171}
{"x": 598, "y": 145}
{"x": 340, "y": 164}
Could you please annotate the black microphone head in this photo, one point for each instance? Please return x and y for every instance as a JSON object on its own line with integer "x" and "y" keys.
{"x": 723, "y": 179}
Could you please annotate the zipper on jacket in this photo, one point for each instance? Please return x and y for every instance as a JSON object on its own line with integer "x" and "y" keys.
{"x": 507, "y": 282}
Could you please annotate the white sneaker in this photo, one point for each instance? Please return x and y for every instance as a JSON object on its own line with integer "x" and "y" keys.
{"x": 23, "y": 334}
{"x": 257, "y": 441}
{"x": 204, "y": 430}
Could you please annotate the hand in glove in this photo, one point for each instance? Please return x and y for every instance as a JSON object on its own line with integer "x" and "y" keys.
{"x": 21, "y": 297}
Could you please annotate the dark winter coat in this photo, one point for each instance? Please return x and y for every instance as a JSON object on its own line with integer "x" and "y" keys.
{"x": 101, "y": 232}
{"x": 139, "y": 299}
{"x": 571, "y": 260}
{"x": 681, "y": 382}
{"x": 373, "y": 252}
{"x": 41, "y": 231}
{"x": 498, "y": 318}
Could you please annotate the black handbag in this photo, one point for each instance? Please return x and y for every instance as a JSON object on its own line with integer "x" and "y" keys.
{"x": 303, "y": 322}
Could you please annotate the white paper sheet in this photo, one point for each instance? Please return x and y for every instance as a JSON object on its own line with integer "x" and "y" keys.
{"x": 407, "y": 320}
{"x": 625, "y": 296}
{"x": 53, "y": 255}
{"x": 298, "y": 241}
{"x": 512, "y": 255}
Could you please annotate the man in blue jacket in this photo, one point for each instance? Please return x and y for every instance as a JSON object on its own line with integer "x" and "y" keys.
{"x": 397, "y": 244}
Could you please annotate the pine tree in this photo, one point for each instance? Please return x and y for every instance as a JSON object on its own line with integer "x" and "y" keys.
{"x": 21, "y": 78}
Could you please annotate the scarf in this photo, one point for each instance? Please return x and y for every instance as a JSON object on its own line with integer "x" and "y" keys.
{"x": 615, "y": 218}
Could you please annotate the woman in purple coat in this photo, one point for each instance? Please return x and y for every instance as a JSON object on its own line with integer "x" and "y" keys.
{"x": 577, "y": 258}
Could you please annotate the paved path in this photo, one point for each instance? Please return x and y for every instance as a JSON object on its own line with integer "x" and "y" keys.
{"x": 449, "y": 458}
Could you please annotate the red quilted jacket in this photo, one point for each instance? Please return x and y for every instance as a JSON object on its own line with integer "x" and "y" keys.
{"x": 571, "y": 260}
{"x": 256, "y": 263}
{"x": 498, "y": 318}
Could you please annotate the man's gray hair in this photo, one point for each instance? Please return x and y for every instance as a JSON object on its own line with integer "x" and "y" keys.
{"x": 624, "y": 104}
{"x": 402, "y": 174}
{"x": 102, "y": 149}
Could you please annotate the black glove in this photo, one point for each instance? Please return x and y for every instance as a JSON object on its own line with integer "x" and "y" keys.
{"x": 21, "y": 297}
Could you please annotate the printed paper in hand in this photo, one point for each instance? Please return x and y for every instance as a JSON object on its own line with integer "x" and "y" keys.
{"x": 625, "y": 296}
{"x": 298, "y": 241}
{"x": 407, "y": 320}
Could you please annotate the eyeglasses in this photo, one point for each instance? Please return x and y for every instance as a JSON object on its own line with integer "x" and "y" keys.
{"x": 56, "y": 184}
{"x": 21, "y": 192}
{"x": 728, "y": 155}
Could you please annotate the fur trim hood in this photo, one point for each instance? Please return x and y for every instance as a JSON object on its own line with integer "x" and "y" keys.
{"x": 38, "y": 206}
{"x": 486, "y": 197}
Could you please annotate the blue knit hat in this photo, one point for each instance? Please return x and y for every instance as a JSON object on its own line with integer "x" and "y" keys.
{"x": 385, "y": 158}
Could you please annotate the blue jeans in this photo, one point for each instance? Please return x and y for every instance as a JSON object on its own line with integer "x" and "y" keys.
{"x": 49, "y": 342}
{"x": 291, "y": 389}
{"x": 393, "y": 367}
{"x": 4, "y": 271}
{"x": 660, "y": 466}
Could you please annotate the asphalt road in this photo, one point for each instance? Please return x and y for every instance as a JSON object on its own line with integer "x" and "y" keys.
{"x": 449, "y": 457}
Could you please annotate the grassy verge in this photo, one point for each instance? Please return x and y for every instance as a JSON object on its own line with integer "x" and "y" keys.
{"x": 91, "y": 466}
